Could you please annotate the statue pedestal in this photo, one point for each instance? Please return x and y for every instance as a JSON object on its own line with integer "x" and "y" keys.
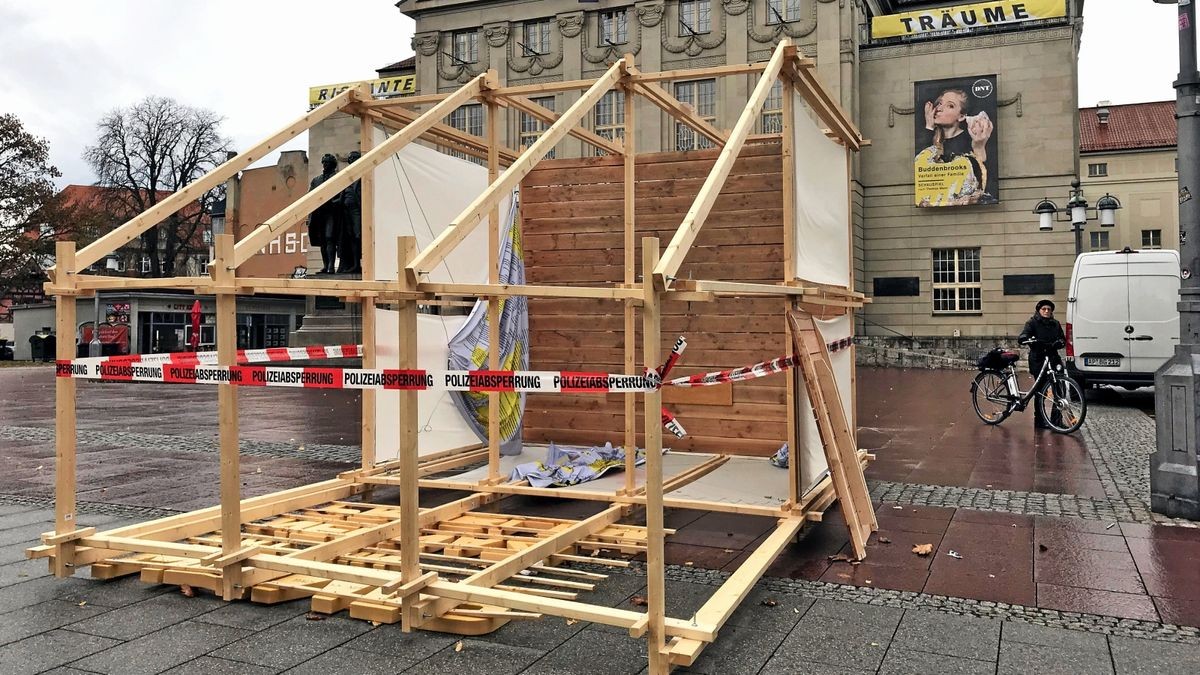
{"x": 329, "y": 321}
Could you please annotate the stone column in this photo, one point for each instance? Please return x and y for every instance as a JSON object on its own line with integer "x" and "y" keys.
{"x": 736, "y": 89}
{"x": 570, "y": 26}
{"x": 829, "y": 34}
{"x": 649, "y": 18}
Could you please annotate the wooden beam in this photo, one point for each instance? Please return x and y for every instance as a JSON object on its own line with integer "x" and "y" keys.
{"x": 410, "y": 531}
{"x": 193, "y": 191}
{"x": 462, "y": 225}
{"x": 630, "y": 246}
{"x": 693, "y": 73}
{"x": 741, "y": 288}
{"x": 673, "y": 257}
{"x": 65, "y": 419}
{"x": 366, "y": 141}
{"x": 800, "y": 71}
{"x": 493, "y": 303}
{"x": 682, "y": 112}
{"x": 656, "y": 583}
{"x": 542, "y": 550}
{"x": 227, "y": 414}
{"x": 299, "y": 209}
{"x": 447, "y": 132}
{"x": 550, "y": 117}
{"x": 95, "y": 282}
{"x": 508, "y": 290}
{"x": 717, "y": 610}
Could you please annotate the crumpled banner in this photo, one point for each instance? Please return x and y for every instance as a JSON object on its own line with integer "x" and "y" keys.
{"x": 570, "y": 465}
{"x": 780, "y": 458}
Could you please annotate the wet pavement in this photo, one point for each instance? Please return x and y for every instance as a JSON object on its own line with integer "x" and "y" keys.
{"x": 919, "y": 424}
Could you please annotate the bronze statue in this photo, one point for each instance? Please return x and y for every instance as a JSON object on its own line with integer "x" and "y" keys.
{"x": 325, "y": 222}
{"x": 351, "y": 244}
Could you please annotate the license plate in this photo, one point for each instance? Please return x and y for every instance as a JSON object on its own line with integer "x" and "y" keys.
{"x": 1113, "y": 361}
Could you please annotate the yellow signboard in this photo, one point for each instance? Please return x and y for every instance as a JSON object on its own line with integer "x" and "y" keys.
{"x": 960, "y": 18}
{"x": 401, "y": 85}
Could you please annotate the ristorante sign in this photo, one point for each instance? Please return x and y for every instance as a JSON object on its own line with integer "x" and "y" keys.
{"x": 964, "y": 18}
{"x": 401, "y": 85}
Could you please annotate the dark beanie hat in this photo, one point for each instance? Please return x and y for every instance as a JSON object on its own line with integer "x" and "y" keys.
{"x": 1044, "y": 303}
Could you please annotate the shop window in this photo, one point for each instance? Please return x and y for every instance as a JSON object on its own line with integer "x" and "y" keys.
{"x": 613, "y": 29}
{"x": 957, "y": 283}
{"x": 694, "y": 17}
{"x": 702, "y": 96}
{"x": 1151, "y": 238}
{"x": 779, "y": 11}
{"x": 609, "y": 117}
{"x": 532, "y": 128}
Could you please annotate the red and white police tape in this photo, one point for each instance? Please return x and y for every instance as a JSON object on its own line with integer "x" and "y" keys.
{"x": 268, "y": 355}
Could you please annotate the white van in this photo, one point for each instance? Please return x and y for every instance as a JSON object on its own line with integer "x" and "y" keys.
{"x": 1122, "y": 316}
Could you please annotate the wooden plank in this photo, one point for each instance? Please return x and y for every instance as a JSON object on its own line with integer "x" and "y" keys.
{"x": 540, "y": 291}
{"x": 299, "y": 209}
{"x": 462, "y": 225}
{"x": 673, "y": 257}
{"x": 191, "y": 193}
{"x": 410, "y": 534}
{"x": 366, "y": 141}
{"x": 682, "y": 112}
{"x": 717, "y": 610}
{"x": 655, "y": 555}
{"x": 493, "y": 303}
{"x": 65, "y": 411}
{"x": 448, "y": 133}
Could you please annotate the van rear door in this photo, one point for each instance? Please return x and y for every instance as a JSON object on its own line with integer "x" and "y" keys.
{"x": 1153, "y": 315}
{"x": 1100, "y": 316}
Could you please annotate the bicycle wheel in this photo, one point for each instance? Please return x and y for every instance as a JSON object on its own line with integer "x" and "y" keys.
{"x": 1062, "y": 405}
{"x": 990, "y": 396}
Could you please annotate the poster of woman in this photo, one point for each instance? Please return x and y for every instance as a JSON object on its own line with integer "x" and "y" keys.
{"x": 956, "y": 162}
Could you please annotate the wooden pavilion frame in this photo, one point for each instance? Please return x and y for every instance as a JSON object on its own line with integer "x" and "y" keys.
{"x": 392, "y": 562}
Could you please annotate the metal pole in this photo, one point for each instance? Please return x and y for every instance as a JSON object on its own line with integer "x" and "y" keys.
{"x": 1078, "y": 238}
{"x": 1174, "y": 483}
{"x": 94, "y": 347}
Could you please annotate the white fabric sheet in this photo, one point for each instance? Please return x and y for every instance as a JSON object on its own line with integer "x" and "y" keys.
{"x": 822, "y": 203}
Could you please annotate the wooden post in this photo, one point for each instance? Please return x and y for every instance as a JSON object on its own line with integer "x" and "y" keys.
{"x": 227, "y": 415}
{"x": 630, "y": 279}
{"x": 493, "y": 135}
{"x": 64, "y": 403}
{"x": 789, "y": 274}
{"x": 655, "y": 563}
{"x": 410, "y": 545}
{"x": 851, "y": 310}
{"x": 366, "y": 140}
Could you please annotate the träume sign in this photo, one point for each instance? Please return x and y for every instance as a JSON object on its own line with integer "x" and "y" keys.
{"x": 960, "y": 18}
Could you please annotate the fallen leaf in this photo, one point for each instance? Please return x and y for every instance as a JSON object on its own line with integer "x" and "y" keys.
{"x": 83, "y": 603}
{"x": 884, "y": 540}
{"x": 458, "y": 646}
{"x": 314, "y": 616}
{"x": 187, "y": 591}
{"x": 868, "y": 581}
{"x": 637, "y": 601}
{"x": 1043, "y": 548}
{"x": 923, "y": 549}
{"x": 572, "y": 622}
{"x": 376, "y": 623}
{"x": 689, "y": 563}
{"x": 769, "y": 602}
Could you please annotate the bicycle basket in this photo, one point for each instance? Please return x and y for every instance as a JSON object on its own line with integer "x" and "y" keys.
{"x": 997, "y": 359}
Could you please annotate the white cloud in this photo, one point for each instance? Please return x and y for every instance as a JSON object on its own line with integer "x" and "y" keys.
{"x": 1129, "y": 52}
{"x": 64, "y": 64}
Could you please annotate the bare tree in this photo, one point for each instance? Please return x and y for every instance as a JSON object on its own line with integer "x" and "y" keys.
{"x": 146, "y": 152}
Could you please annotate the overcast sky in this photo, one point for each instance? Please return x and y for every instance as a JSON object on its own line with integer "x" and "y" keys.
{"x": 64, "y": 63}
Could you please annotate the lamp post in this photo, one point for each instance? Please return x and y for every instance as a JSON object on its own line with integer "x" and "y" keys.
{"x": 1174, "y": 479}
{"x": 1077, "y": 213}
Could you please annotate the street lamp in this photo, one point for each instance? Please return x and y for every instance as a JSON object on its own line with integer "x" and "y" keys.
{"x": 1174, "y": 466}
{"x": 1077, "y": 213}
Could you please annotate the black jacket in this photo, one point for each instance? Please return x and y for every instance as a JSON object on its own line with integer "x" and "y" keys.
{"x": 1049, "y": 335}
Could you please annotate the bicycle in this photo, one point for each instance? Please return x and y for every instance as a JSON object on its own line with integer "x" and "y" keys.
{"x": 996, "y": 394}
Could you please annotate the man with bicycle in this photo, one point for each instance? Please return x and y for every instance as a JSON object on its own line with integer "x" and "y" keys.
{"x": 1044, "y": 336}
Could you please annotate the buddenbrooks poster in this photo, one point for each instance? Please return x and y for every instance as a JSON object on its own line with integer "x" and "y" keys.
{"x": 956, "y": 161}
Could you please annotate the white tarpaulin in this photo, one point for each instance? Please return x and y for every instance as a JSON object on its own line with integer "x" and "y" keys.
{"x": 418, "y": 192}
{"x": 812, "y": 460}
{"x": 822, "y": 232}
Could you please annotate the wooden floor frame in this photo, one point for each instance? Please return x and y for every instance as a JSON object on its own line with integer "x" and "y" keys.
{"x": 454, "y": 567}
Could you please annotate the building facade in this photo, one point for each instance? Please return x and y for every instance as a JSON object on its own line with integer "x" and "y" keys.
{"x": 1129, "y": 151}
{"x": 963, "y": 271}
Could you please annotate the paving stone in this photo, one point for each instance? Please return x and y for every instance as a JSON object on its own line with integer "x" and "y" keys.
{"x": 27, "y": 621}
{"x": 114, "y": 592}
{"x": 881, "y": 617}
{"x": 545, "y": 633}
{"x": 837, "y": 642}
{"x": 481, "y": 658}
{"x": 593, "y": 652}
{"x": 1046, "y": 636}
{"x": 342, "y": 660}
{"x": 48, "y": 650}
{"x": 1019, "y": 658}
{"x": 255, "y": 617}
{"x": 147, "y": 616}
{"x": 158, "y": 651}
{"x": 738, "y": 650}
{"x": 23, "y": 570}
{"x": 32, "y": 518}
{"x": 35, "y": 591}
{"x": 783, "y": 615}
{"x": 900, "y": 661}
{"x": 208, "y": 665}
{"x": 408, "y": 648}
{"x": 940, "y": 633}
{"x": 1133, "y": 656}
{"x": 293, "y": 642}
{"x": 785, "y": 665}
